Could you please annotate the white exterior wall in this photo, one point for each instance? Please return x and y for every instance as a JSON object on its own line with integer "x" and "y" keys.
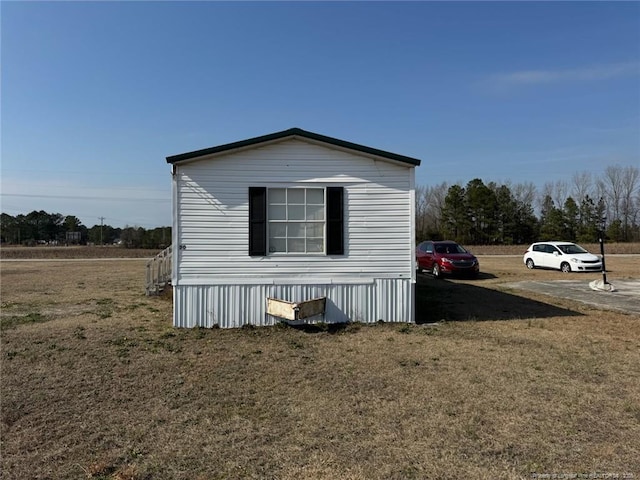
{"x": 216, "y": 282}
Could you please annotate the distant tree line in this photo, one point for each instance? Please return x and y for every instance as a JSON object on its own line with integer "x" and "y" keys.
{"x": 493, "y": 213}
{"x": 42, "y": 228}
{"x": 477, "y": 214}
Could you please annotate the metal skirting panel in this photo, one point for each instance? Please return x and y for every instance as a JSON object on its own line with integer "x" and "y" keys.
{"x": 231, "y": 306}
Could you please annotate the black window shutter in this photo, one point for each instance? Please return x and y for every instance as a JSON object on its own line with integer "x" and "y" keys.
{"x": 335, "y": 221}
{"x": 257, "y": 221}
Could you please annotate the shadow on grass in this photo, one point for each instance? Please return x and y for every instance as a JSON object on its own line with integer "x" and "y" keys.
{"x": 485, "y": 276}
{"x": 481, "y": 276}
{"x": 331, "y": 328}
{"x": 438, "y": 300}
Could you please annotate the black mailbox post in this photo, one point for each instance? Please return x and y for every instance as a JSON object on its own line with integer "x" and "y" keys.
{"x": 604, "y": 268}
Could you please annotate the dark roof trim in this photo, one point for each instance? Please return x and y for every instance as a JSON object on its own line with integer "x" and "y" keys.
{"x": 298, "y": 132}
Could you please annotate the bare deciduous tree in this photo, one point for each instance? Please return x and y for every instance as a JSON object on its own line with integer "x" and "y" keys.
{"x": 429, "y": 204}
{"x": 524, "y": 193}
{"x": 558, "y": 191}
{"x": 582, "y": 186}
{"x": 620, "y": 187}
{"x": 629, "y": 205}
{"x": 610, "y": 185}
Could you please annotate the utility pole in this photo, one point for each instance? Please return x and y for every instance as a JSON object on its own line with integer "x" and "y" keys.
{"x": 101, "y": 223}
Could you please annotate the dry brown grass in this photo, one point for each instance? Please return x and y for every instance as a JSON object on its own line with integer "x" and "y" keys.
{"x": 44, "y": 252}
{"x": 96, "y": 384}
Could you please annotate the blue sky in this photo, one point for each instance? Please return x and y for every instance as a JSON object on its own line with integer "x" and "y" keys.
{"x": 95, "y": 95}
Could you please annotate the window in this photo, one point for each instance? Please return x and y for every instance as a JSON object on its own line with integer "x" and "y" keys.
{"x": 426, "y": 247}
{"x": 296, "y": 220}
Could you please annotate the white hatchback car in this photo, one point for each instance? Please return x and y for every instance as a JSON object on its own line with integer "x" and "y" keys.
{"x": 564, "y": 256}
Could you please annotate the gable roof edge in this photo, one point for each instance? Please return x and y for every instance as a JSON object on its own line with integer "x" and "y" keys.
{"x": 292, "y": 132}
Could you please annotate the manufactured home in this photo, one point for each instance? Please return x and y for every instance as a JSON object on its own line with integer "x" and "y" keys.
{"x": 292, "y": 226}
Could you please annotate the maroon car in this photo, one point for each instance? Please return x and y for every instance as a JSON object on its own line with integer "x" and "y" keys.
{"x": 446, "y": 258}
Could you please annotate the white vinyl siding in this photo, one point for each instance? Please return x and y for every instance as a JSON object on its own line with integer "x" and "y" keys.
{"x": 212, "y": 221}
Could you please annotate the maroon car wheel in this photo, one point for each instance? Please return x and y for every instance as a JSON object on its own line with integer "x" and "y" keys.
{"x": 436, "y": 271}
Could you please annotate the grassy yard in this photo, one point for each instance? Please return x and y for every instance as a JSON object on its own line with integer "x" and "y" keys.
{"x": 490, "y": 384}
